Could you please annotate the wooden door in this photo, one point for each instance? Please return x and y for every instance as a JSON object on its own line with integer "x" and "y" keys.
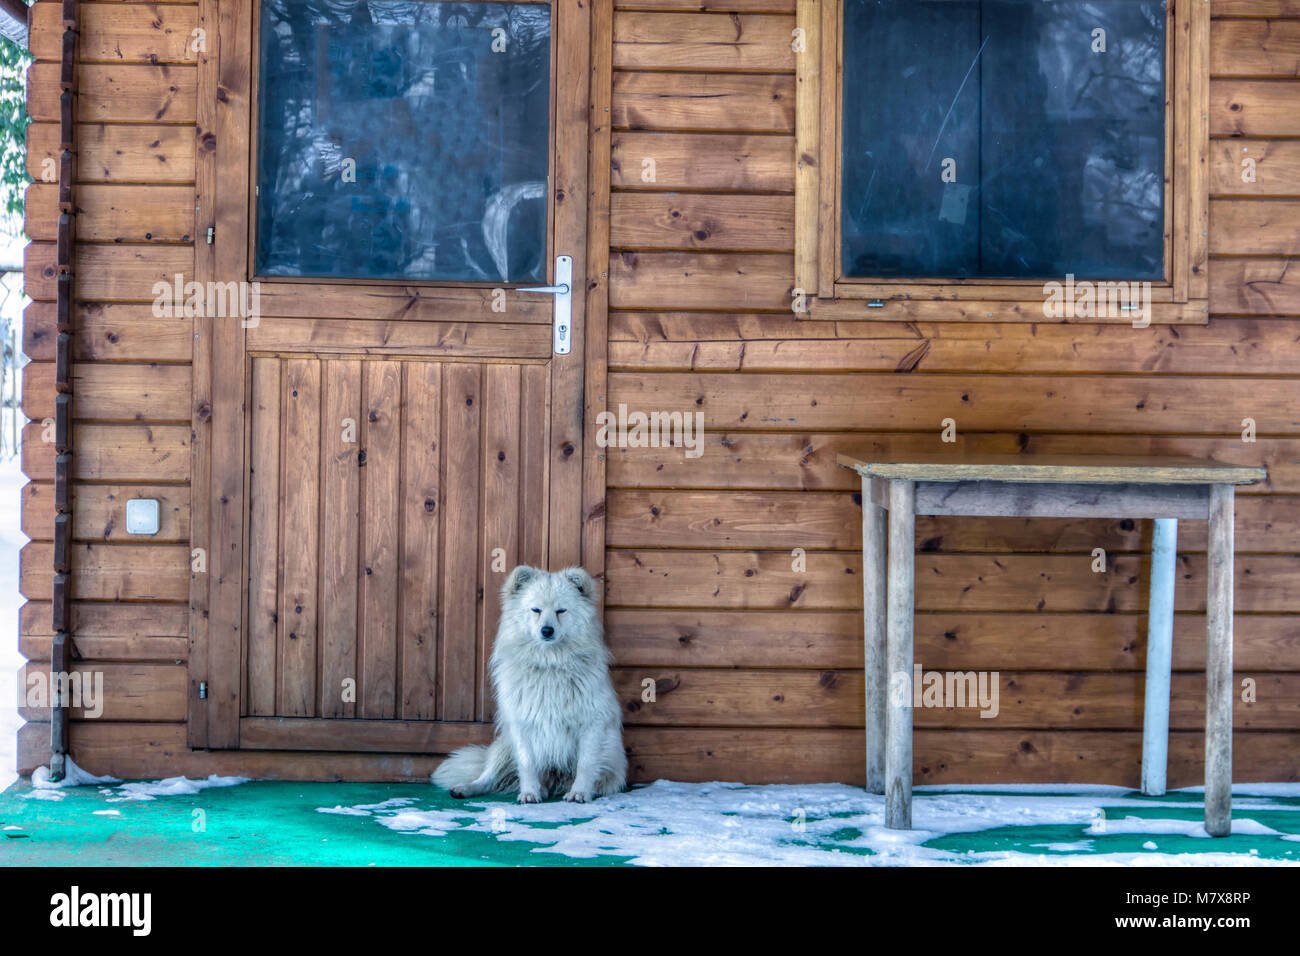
{"x": 379, "y": 450}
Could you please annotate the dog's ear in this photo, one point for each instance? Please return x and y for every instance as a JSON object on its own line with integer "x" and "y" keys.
{"x": 518, "y": 579}
{"x": 581, "y": 580}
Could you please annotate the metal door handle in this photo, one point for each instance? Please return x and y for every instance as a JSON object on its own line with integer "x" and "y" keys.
{"x": 562, "y": 290}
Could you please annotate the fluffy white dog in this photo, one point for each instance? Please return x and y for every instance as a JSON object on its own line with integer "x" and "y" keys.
{"x": 558, "y": 721}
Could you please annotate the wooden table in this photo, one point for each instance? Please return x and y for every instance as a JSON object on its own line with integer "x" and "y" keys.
{"x": 1163, "y": 488}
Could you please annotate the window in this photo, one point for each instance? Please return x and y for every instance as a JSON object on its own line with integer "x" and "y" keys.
{"x": 403, "y": 140}
{"x": 958, "y": 157}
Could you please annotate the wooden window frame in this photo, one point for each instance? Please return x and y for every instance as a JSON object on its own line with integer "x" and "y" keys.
{"x": 472, "y": 292}
{"x": 1181, "y": 297}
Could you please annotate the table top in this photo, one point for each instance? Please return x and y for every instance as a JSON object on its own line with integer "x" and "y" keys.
{"x": 1097, "y": 469}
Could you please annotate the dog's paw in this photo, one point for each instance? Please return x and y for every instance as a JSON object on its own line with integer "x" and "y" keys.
{"x": 457, "y": 792}
{"x": 531, "y": 796}
{"x": 578, "y": 796}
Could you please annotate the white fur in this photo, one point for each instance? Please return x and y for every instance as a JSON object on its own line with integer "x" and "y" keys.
{"x": 558, "y": 721}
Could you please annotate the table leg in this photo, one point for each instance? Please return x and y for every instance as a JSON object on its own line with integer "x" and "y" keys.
{"x": 874, "y": 598}
{"x": 1218, "y": 665}
{"x": 898, "y": 713}
{"x": 1160, "y": 640}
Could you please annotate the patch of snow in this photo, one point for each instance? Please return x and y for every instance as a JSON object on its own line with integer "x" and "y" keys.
{"x": 74, "y": 776}
{"x": 727, "y": 824}
{"x": 1190, "y": 828}
{"x": 172, "y": 787}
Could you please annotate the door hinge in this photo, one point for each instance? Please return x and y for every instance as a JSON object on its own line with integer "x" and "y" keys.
{"x": 203, "y": 690}
{"x": 212, "y": 234}
{"x": 563, "y": 292}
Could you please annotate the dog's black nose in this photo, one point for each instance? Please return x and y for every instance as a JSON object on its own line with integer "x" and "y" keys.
{"x": 548, "y": 632}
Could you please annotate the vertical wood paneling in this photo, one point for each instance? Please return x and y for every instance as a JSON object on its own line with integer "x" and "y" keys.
{"x": 500, "y": 508}
{"x": 458, "y": 646}
{"x": 380, "y": 476}
{"x": 423, "y": 502}
{"x": 534, "y": 438}
{"x": 372, "y": 559}
{"x": 264, "y": 538}
{"x": 340, "y": 484}
{"x": 299, "y": 538}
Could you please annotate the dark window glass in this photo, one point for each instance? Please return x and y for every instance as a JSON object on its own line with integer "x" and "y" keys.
{"x": 1056, "y": 149}
{"x": 450, "y": 139}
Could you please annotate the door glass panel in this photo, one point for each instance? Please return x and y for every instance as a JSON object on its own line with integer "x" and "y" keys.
{"x": 403, "y": 140}
{"x": 1003, "y": 138}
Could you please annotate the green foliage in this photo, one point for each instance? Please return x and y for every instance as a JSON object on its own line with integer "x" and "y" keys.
{"x": 14, "y": 61}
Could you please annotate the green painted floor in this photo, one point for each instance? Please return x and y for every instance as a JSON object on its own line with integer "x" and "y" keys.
{"x": 267, "y": 823}
{"x": 264, "y": 823}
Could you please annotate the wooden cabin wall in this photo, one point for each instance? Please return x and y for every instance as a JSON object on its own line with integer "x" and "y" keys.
{"x": 757, "y": 669}
{"x": 757, "y": 666}
{"x": 131, "y": 370}
{"x": 136, "y": 138}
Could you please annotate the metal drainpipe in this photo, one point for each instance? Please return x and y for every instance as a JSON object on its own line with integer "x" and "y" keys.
{"x": 61, "y": 650}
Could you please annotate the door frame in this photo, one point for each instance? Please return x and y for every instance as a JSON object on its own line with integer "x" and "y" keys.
{"x": 220, "y": 441}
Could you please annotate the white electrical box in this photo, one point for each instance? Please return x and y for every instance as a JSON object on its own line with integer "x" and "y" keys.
{"x": 142, "y": 516}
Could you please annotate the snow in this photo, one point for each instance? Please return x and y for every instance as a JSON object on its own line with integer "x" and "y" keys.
{"x": 46, "y": 789}
{"x": 730, "y": 824}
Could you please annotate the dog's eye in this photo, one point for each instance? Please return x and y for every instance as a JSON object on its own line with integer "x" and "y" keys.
{"x": 537, "y": 610}
{"x": 560, "y": 611}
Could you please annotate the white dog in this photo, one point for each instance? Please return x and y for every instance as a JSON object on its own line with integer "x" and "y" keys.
{"x": 558, "y": 721}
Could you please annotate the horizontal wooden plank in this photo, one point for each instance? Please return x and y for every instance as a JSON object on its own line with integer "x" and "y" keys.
{"x": 943, "y": 472}
{"x": 149, "y": 751}
{"x": 732, "y": 161}
{"x": 106, "y": 332}
{"x": 676, "y": 637}
{"x": 1255, "y": 8}
{"x": 442, "y": 339}
{"x": 1257, "y": 227}
{"x": 720, "y": 6}
{"x": 944, "y": 757}
{"x": 833, "y": 521}
{"x": 126, "y": 622}
{"x": 116, "y": 153}
{"x": 113, "y": 213}
{"x": 685, "y": 280}
{"x": 99, "y": 511}
{"x": 805, "y": 460}
{"x": 107, "y": 272}
{"x": 112, "y": 452}
{"x": 134, "y": 691}
{"x": 703, "y": 41}
{"x": 944, "y": 582}
{"x": 117, "y": 32}
{"x": 1255, "y": 286}
{"x": 110, "y": 572}
{"x": 762, "y": 342}
{"x": 387, "y": 736}
{"x": 1255, "y": 48}
{"x": 108, "y": 93}
{"x": 103, "y": 392}
{"x": 687, "y": 101}
{"x": 703, "y": 697}
{"x": 300, "y": 300}
{"x": 1254, "y": 108}
{"x": 174, "y": 650}
{"x": 701, "y": 221}
{"x": 984, "y": 403}
{"x": 1275, "y": 170}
